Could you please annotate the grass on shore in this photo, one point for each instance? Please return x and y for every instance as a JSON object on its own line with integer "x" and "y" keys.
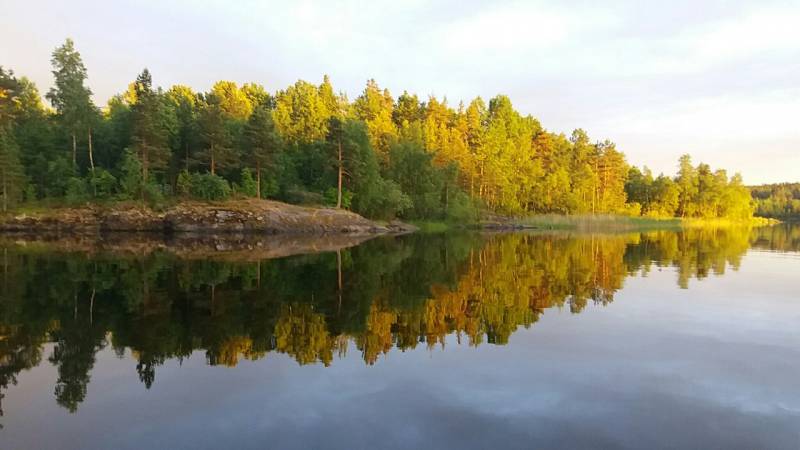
{"x": 610, "y": 222}
{"x": 589, "y": 222}
{"x": 596, "y": 222}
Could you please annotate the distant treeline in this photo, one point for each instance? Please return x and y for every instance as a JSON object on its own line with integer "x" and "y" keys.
{"x": 378, "y": 155}
{"x": 779, "y": 201}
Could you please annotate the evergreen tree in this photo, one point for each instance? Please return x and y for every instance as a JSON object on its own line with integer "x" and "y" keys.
{"x": 154, "y": 125}
{"x": 215, "y": 131}
{"x": 261, "y": 142}
{"x": 70, "y": 98}
{"x": 12, "y": 180}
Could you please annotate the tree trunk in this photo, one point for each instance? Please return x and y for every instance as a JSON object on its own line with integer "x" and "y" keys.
{"x": 258, "y": 181}
{"x": 339, "y": 187}
{"x": 91, "y": 306}
{"x": 144, "y": 169}
{"x": 5, "y": 270}
{"x": 446, "y": 196}
{"x": 213, "y": 162}
{"x": 74, "y": 151}
{"x": 5, "y": 192}
{"x": 91, "y": 155}
{"x": 339, "y": 273}
{"x": 144, "y": 162}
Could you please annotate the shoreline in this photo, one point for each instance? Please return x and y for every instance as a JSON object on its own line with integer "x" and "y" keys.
{"x": 251, "y": 216}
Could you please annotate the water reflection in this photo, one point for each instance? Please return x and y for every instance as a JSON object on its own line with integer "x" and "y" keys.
{"x": 164, "y": 302}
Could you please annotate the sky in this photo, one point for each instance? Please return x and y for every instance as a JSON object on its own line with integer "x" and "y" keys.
{"x": 717, "y": 79}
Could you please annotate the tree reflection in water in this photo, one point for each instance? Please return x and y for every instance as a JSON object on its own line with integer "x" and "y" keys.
{"x": 388, "y": 293}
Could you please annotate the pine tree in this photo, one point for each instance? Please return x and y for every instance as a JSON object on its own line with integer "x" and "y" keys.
{"x": 154, "y": 124}
{"x": 70, "y": 98}
{"x": 215, "y": 131}
{"x": 262, "y": 142}
{"x": 12, "y": 178}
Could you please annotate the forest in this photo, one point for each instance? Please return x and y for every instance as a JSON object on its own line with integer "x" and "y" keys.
{"x": 378, "y": 155}
{"x": 778, "y": 201}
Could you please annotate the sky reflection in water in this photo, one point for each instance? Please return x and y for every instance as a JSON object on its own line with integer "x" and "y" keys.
{"x": 656, "y": 340}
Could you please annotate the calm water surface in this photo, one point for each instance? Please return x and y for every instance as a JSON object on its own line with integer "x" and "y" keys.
{"x": 641, "y": 340}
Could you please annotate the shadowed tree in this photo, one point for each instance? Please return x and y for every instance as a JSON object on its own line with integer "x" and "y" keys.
{"x": 154, "y": 124}
{"x": 261, "y": 142}
{"x": 70, "y": 98}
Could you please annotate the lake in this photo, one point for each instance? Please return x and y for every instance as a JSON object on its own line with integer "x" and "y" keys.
{"x": 657, "y": 339}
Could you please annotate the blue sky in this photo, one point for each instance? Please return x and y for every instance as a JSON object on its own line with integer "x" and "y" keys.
{"x": 717, "y": 79}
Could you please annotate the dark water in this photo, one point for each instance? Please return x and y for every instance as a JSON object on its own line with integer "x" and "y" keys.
{"x": 642, "y": 340}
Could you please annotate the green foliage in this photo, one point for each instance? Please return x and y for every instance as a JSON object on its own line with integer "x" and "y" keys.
{"x": 183, "y": 185}
{"x": 103, "y": 183}
{"x": 780, "y": 201}
{"x": 59, "y": 171}
{"x": 155, "y": 125}
{"x": 131, "y": 183}
{"x": 411, "y": 167}
{"x": 70, "y": 98}
{"x": 419, "y": 160}
{"x": 153, "y": 193}
{"x": 461, "y": 209}
{"x": 77, "y": 191}
{"x": 331, "y": 197}
{"x": 12, "y": 179}
{"x": 261, "y": 140}
{"x": 697, "y": 192}
{"x": 209, "y": 187}
{"x": 373, "y": 195}
{"x": 248, "y": 184}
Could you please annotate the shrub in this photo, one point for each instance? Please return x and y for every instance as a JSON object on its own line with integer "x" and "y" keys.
{"x": 332, "y": 194}
{"x": 77, "y": 190}
{"x": 270, "y": 186}
{"x": 130, "y": 176}
{"x": 298, "y": 196}
{"x": 30, "y": 193}
{"x": 460, "y": 208}
{"x": 153, "y": 193}
{"x": 384, "y": 201}
{"x": 183, "y": 186}
{"x": 248, "y": 187}
{"x": 209, "y": 187}
{"x": 103, "y": 183}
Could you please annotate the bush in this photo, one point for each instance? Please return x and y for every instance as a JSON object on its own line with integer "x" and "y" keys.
{"x": 384, "y": 201}
{"x": 153, "y": 193}
{"x": 270, "y": 186}
{"x": 209, "y": 187}
{"x": 332, "y": 195}
{"x": 183, "y": 186}
{"x": 248, "y": 187}
{"x": 30, "y": 193}
{"x": 59, "y": 171}
{"x": 130, "y": 176}
{"x": 77, "y": 190}
{"x": 298, "y": 196}
{"x": 461, "y": 208}
{"x": 103, "y": 183}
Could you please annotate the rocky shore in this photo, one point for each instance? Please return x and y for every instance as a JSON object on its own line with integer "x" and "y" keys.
{"x": 230, "y": 247}
{"x": 239, "y": 217}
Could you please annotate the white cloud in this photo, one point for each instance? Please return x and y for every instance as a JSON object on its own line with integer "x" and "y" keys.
{"x": 766, "y": 115}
